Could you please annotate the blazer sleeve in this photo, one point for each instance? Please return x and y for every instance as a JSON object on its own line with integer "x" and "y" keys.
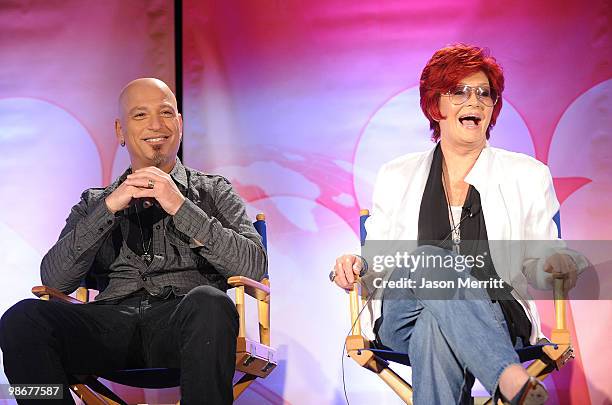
{"x": 541, "y": 233}
{"x": 379, "y": 224}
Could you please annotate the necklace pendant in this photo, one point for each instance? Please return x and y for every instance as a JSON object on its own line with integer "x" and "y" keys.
{"x": 147, "y": 258}
{"x": 456, "y": 248}
{"x": 457, "y": 244}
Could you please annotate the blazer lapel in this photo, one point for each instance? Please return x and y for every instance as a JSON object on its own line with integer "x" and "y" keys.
{"x": 407, "y": 214}
{"x": 486, "y": 176}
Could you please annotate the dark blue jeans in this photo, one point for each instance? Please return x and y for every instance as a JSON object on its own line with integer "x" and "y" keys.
{"x": 47, "y": 341}
{"x": 449, "y": 341}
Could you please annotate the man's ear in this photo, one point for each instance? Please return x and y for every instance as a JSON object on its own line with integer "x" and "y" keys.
{"x": 180, "y": 117}
{"x": 119, "y": 132}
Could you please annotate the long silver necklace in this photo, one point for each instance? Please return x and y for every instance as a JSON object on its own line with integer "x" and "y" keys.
{"x": 146, "y": 256}
{"x": 455, "y": 231}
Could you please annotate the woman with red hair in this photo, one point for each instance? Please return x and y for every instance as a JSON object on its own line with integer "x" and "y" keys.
{"x": 453, "y": 200}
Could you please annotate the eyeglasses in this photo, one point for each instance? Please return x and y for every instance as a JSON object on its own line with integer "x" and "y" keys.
{"x": 462, "y": 93}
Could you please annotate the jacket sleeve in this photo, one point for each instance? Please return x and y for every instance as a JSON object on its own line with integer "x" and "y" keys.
{"x": 72, "y": 256}
{"x": 378, "y": 227}
{"x": 541, "y": 233}
{"x": 226, "y": 239}
{"x": 379, "y": 223}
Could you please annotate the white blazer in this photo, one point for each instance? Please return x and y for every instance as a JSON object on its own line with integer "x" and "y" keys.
{"x": 518, "y": 202}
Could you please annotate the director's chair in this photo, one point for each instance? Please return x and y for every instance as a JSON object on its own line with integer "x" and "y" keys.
{"x": 256, "y": 359}
{"x": 546, "y": 356}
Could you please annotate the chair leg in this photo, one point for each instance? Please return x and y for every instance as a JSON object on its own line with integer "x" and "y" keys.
{"x": 397, "y": 384}
{"x": 367, "y": 359}
{"x": 243, "y": 384}
{"x": 86, "y": 395}
{"x": 102, "y": 391}
{"x": 489, "y": 402}
{"x": 540, "y": 368}
{"x": 109, "y": 401}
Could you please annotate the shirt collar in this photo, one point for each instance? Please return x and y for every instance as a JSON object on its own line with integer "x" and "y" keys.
{"x": 179, "y": 174}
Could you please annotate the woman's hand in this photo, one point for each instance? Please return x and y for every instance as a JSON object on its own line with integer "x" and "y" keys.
{"x": 561, "y": 265}
{"x": 346, "y": 270}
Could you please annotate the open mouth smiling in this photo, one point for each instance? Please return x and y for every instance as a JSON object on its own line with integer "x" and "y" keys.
{"x": 156, "y": 139}
{"x": 470, "y": 120}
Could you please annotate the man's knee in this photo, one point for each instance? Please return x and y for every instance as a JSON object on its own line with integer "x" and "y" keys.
{"x": 206, "y": 296}
{"x": 25, "y": 311}
{"x": 19, "y": 321}
{"x": 209, "y": 304}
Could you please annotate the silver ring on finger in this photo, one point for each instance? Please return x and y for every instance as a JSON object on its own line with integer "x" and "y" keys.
{"x": 150, "y": 184}
{"x": 332, "y": 276}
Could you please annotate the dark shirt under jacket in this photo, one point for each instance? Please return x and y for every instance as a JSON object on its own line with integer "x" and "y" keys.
{"x": 209, "y": 239}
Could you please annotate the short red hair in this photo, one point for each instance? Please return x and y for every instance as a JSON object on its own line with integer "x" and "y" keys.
{"x": 446, "y": 68}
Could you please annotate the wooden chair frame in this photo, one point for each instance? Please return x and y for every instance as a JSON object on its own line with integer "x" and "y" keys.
{"x": 556, "y": 353}
{"x": 256, "y": 359}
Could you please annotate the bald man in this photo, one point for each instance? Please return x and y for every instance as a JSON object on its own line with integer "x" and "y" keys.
{"x": 162, "y": 241}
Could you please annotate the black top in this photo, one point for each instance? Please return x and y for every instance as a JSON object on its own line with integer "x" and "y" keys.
{"x": 141, "y": 228}
{"x": 435, "y": 228}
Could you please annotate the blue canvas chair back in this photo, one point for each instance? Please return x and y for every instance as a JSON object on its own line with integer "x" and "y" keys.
{"x": 557, "y": 219}
{"x": 260, "y": 227}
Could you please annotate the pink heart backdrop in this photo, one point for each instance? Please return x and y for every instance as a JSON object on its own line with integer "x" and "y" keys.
{"x": 299, "y": 103}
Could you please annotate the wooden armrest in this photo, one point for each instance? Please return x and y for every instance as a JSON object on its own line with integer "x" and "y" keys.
{"x": 354, "y": 308}
{"x": 259, "y": 291}
{"x": 559, "y": 298}
{"x": 43, "y": 291}
{"x": 254, "y": 288}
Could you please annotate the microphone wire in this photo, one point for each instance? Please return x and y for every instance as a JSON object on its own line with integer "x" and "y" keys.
{"x": 344, "y": 346}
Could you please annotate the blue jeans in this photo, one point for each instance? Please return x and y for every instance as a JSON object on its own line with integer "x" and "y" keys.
{"x": 450, "y": 342}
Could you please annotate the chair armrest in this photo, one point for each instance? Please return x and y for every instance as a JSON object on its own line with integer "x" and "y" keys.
{"x": 354, "y": 308}
{"x": 48, "y": 293}
{"x": 560, "y": 297}
{"x": 259, "y": 291}
{"x": 255, "y": 289}
{"x": 561, "y": 350}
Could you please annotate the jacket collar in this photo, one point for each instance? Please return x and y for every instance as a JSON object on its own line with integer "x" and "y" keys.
{"x": 483, "y": 175}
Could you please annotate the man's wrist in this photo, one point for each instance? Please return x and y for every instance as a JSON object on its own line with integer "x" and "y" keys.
{"x": 182, "y": 202}
{"x": 109, "y": 207}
